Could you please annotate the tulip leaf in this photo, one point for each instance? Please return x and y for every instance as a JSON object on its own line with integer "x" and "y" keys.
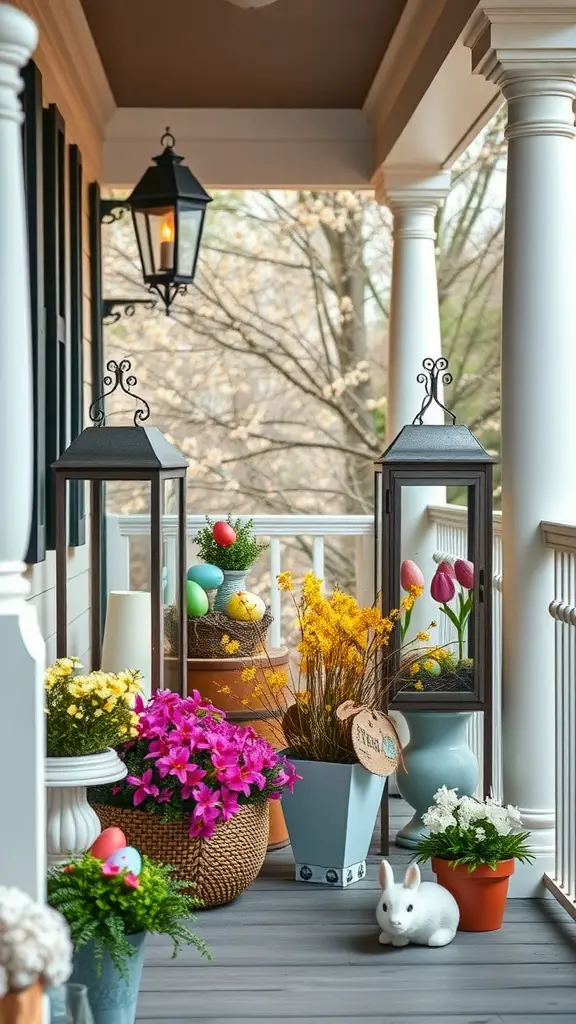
{"x": 454, "y": 619}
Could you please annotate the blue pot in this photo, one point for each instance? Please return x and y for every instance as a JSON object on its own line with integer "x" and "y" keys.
{"x": 234, "y": 581}
{"x": 112, "y": 998}
{"x": 436, "y": 755}
{"x": 330, "y": 818}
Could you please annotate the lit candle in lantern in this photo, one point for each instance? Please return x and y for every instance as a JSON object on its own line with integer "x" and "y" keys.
{"x": 167, "y": 243}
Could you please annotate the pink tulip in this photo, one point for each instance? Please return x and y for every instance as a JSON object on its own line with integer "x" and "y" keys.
{"x": 447, "y": 568}
{"x": 410, "y": 575}
{"x": 464, "y": 572}
{"x": 442, "y": 587}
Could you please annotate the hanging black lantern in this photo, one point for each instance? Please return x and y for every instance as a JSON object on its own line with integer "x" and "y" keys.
{"x": 168, "y": 207}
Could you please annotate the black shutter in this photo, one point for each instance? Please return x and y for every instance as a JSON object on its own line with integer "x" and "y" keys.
{"x": 33, "y": 162}
{"x": 97, "y": 355}
{"x": 76, "y": 522}
{"x": 55, "y": 298}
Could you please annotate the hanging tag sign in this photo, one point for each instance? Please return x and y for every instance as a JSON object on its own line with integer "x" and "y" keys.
{"x": 376, "y": 742}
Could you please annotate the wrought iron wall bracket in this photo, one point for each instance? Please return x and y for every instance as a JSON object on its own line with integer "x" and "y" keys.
{"x": 114, "y": 309}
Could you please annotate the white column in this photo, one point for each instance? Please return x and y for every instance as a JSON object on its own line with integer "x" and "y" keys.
{"x": 414, "y": 335}
{"x": 535, "y": 66}
{"x": 22, "y": 807}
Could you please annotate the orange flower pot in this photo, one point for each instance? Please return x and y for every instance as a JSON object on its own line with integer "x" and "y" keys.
{"x": 25, "y": 1007}
{"x": 480, "y": 894}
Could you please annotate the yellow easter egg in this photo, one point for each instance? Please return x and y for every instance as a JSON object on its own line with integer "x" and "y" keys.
{"x": 246, "y": 607}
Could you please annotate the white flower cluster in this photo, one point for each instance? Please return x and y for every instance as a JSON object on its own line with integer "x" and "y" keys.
{"x": 448, "y": 810}
{"x": 34, "y": 943}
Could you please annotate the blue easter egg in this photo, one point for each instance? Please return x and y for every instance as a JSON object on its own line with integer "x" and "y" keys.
{"x": 196, "y": 600}
{"x": 127, "y": 859}
{"x": 209, "y": 577}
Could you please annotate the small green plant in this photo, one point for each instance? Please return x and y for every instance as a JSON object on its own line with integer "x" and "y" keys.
{"x": 238, "y": 556}
{"x": 472, "y": 832}
{"x": 103, "y": 905}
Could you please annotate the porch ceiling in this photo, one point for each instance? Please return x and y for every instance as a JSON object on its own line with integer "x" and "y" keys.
{"x": 303, "y": 54}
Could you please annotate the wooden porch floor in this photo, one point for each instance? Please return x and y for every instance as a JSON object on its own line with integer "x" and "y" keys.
{"x": 286, "y": 951}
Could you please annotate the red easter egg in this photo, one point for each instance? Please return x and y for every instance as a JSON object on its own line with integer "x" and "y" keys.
{"x": 223, "y": 534}
{"x": 110, "y": 840}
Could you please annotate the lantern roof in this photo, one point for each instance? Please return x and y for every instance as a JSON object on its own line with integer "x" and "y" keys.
{"x": 121, "y": 449}
{"x": 435, "y": 442}
{"x": 168, "y": 182}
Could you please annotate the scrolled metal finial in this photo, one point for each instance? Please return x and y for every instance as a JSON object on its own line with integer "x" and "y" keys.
{"x": 435, "y": 370}
{"x": 168, "y": 140}
{"x": 118, "y": 376}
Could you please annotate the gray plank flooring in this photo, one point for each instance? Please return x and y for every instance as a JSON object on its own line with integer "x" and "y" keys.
{"x": 290, "y": 952}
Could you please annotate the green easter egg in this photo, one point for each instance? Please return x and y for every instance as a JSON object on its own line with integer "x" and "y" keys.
{"x": 196, "y": 600}
{"x": 432, "y": 667}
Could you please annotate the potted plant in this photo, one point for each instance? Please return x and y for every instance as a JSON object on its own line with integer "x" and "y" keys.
{"x": 322, "y": 710}
{"x": 437, "y": 752}
{"x": 473, "y": 846}
{"x": 196, "y": 794}
{"x": 231, "y": 546}
{"x": 35, "y": 952}
{"x": 110, "y": 911}
{"x": 87, "y": 716}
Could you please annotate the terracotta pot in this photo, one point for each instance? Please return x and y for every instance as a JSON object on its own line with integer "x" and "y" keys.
{"x": 25, "y": 1007}
{"x": 480, "y": 894}
{"x": 211, "y": 675}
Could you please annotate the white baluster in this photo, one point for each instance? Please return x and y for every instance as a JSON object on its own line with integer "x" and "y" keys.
{"x": 22, "y": 799}
{"x": 318, "y": 557}
{"x": 275, "y": 634}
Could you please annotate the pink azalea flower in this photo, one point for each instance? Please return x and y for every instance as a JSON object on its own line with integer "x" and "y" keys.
{"x": 464, "y": 572}
{"x": 442, "y": 587}
{"x": 110, "y": 870}
{"x": 207, "y": 801}
{"x": 164, "y": 796}
{"x": 158, "y": 748}
{"x": 228, "y": 803}
{"x": 446, "y": 568}
{"x": 175, "y": 763}
{"x": 131, "y": 880}
{"x": 145, "y": 786}
{"x": 202, "y": 829}
{"x": 410, "y": 575}
{"x": 117, "y": 789}
{"x": 242, "y": 777}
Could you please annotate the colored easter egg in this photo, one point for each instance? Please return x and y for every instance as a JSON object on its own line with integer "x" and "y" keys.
{"x": 209, "y": 577}
{"x": 223, "y": 534}
{"x": 196, "y": 600}
{"x": 127, "y": 859}
{"x": 246, "y": 607}
{"x": 108, "y": 841}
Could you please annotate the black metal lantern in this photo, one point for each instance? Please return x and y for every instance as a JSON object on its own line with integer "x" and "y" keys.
{"x": 451, "y": 669}
{"x": 126, "y": 453}
{"x": 168, "y": 207}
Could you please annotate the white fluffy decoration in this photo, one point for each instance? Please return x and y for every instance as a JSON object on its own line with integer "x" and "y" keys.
{"x": 34, "y": 943}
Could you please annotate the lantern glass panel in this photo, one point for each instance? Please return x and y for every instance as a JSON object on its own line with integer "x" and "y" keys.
{"x": 171, "y": 575}
{"x": 189, "y": 231}
{"x": 156, "y": 230}
{"x": 437, "y": 653}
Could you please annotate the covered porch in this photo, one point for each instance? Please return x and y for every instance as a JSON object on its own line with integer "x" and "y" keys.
{"x": 405, "y": 87}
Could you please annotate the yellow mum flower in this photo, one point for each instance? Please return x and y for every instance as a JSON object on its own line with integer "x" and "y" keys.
{"x": 248, "y": 674}
{"x": 133, "y": 732}
{"x": 98, "y": 713}
{"x": 72, "y": 710}
{"x": 122, "y": 730}
{"x": 110, "y": 705}
{"x": 284, "y": 581}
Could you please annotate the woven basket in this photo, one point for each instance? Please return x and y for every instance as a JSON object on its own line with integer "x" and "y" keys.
{"x": 205, "y": 634}
{"x": 221, "y": 868}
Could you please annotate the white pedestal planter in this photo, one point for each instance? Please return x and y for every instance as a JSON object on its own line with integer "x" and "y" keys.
{"x": 71, "y": 824}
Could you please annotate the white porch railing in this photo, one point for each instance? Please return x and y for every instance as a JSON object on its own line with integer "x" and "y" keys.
{"x": 562, "y": 539}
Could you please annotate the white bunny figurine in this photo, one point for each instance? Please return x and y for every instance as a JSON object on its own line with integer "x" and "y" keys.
{"x": 414, "y": 911}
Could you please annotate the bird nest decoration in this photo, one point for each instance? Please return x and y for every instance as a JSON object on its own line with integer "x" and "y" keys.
{"x": 205, "y": 635}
